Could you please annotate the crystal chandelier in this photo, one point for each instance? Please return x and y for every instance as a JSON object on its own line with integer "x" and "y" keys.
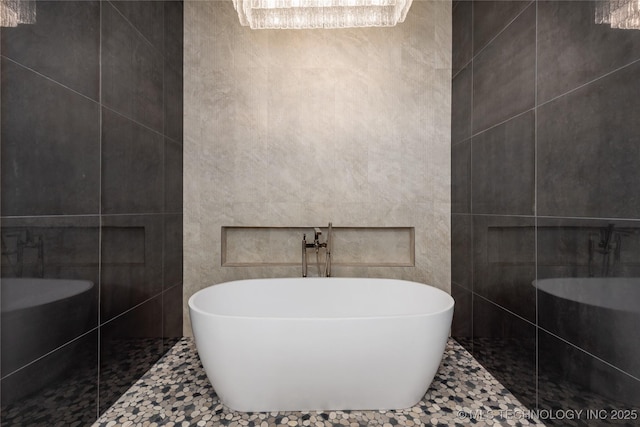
{"x": 298, "y": 14}
{"x": 623, "y": 14}
{"x": 14, "y": 12}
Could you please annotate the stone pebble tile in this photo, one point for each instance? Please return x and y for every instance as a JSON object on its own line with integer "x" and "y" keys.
{"x": 175, "y": 392}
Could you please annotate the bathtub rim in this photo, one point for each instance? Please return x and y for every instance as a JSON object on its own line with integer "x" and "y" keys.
{"x": 449, "y": 306}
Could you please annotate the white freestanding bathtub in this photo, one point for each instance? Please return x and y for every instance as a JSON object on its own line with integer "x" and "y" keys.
{"x": 320, "y": 343}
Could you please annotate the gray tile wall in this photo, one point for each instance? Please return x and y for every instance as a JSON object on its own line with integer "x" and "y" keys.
{"x": 545, "y": 184}
{"x": 91, "y": 156}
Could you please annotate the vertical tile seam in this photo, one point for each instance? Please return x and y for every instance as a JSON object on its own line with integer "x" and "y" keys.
{"x": 0, "y": 197}
{"x": 99, "y": 339}
{"x": 470, "y": 183}
{"x": 535, "y": 202}
{"x": 164, "y": 172}
{"x": 0, "y": 200}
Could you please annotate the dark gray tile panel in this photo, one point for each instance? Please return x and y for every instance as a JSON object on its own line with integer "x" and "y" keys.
{"x": 131, "y": 262}
{"x": 574, "y": 50}
{"x": 503, "y": 168}
{"x": 132, "y": 71}
{"x": 132, "y": 166}
{"x": 461, "y": 250}
{"x": 504, "y": 262}
{"x": 59, "y": 389}
{"x": 587, "y": 272}
{"x": 50, "y": 147}
{"x": 63, "y": 45}
{"x": 461, "y": 177}
{"x": 173, "y": 103}
{"x": 461, "y": 35}
{"x": 491, "y": 17}
{"x": 570, "y": 378}
{"x": 588, "y": 150}
{"x": 461, "y": 105}
{"x": 147, "y": 17}
{"x": 173, "y": 33}
{"x": 504, "y": 74}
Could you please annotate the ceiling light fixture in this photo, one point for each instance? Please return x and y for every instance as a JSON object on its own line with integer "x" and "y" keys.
{"x": 301, "y": 14}
{"x": 14, "y": 12}
{"x": 624, "y": 14}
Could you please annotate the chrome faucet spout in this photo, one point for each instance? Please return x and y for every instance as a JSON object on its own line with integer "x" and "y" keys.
{"x": 317, "y": 245}
{"x": 327, "y": 260}
{"x": 304, "y": 255}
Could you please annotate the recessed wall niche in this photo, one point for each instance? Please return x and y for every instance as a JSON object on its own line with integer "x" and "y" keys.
{"x": 350, "y": 246}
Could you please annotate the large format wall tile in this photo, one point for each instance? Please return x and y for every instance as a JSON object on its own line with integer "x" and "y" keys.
{"x": 147, "y": 17}
{"x": 63, "y": 45}
{"x": 461, "y": 250}
{"x": 58, "y": 389}
{"x": 174, "y": 33}
{"x": 588, "y": 150}
{"x": 50, "y": 146}
{"x": 132, "y": 258}
{"x": 491, "y": 17}
{"x": 504, "y": 262}
{"x": 588, "y": 287}
{"x": 43, "y": 253}
{"x": 57, "y": 247}
{"x": 132, "y": 71}
{"x": 561, "y": 270}
{"x": 461, "y": 105}
{"x": 569, "y": 378}
{"x": 571, "y": 247}
{"x": 461, "y": 177}
{"x": 173, "y": 103}
{"x": 461, "y": 35}
{"x": 574, "y": 50}
{"x": 132, "y": 167}
{"x": 503, "y": 168}
{"x": 73, "y": 133}
{"x": 504, "y": 73}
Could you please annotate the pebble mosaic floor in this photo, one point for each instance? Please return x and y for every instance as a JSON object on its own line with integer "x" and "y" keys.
{"x": 176, "y": 392}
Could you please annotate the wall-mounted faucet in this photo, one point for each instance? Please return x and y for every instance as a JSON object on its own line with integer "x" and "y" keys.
{"x": 317, "y": 245}
{"x": 327, "y": 256}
